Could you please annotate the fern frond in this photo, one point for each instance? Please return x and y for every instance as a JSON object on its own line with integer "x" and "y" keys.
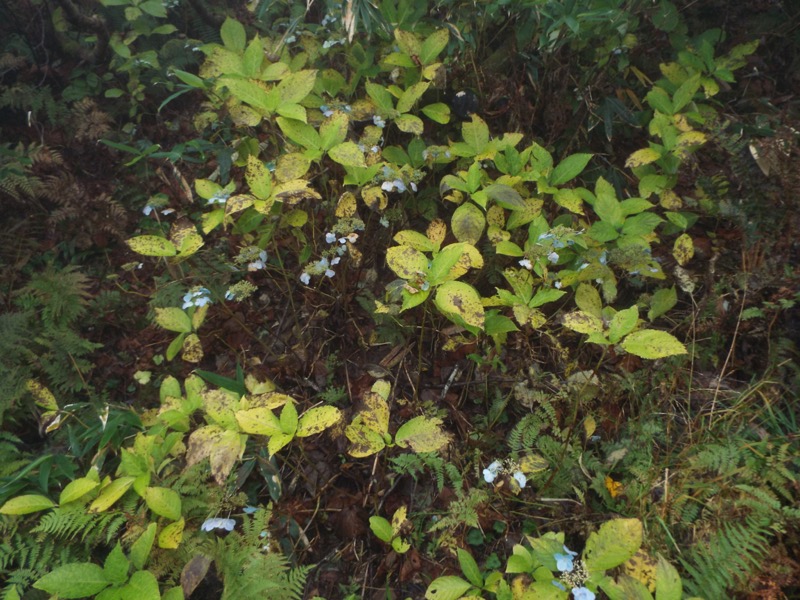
{"x": 732, "y": 554}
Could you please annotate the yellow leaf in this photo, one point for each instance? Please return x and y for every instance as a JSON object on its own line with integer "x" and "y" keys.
{"x": 192, "y": 350}
{"x": 645, "y": 156}
{"x": 317, "y": 420}
{"x": 111, "y": 493}
{"x": 294, "y": 191}
{"x": 406, "y": 262}
{"x": 642, "y": 567}
{"x": 258, "y": 178}
{"x": 374, "y": 197}
{"x": 436, "y": 232}
{"x": 41, "y": 395}
{"x": 670, "y": 200}
{"x": 222, "y": 446}
{"x": 258, "y": 421}
{"x": 364, "y": 441}
{"x": 346, "y": 206}
{"x": 172, "y": 535}
{"x": 455, "y": 298}
{"x": 375, "y": 414}
{"x": 683, "y": 250}
{"x": 291, "y": 166}
{"x": 238, "y": 203}
{"x": 589, "y": 426}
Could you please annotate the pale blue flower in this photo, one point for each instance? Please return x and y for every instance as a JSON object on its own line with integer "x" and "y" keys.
{"x": 378, "y": 121}
{"x": 519, "y": 476}
{"x": 557, "y": 285}
{"x": 582, "y": 593}
{"x": 330, "y": 273}
{"x": 147, "y": 210}
{"x": 553, "y": 257}
{"x": 526, "y": 263}
{"x": 260, "y": 263}
{"x": 305, "y": 278}
{"x": 559, "y": 585}
{"x": 330, "y": 237}
{"x": 564, "y": 561}
{"x": 217, "y": 523}
{"x": 490, "y": 473}
{"x": 249, "y": 510}
{"x": 229, "y": 295}
{"x": 199, "y": 297}
{"x": 221, "y": 197}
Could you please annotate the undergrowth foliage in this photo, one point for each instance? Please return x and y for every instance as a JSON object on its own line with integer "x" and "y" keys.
{"x": 480, "y": 311}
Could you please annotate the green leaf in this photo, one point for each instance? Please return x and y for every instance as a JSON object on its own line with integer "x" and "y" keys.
{"x": 569, "y": 168}
{"x": 300, "y": 133}
{"x": 154, "y": 8}
{"x": 614, "y": 543}
{"x": 662, "y": 301}
{"x": 470, "y": 568}
{"x": 258, "y": 178}
{"x": 175, "y": 346}
{"x": 433, "y": 46}
{"x": 140, "y": 549}
{"x": 381, "y": 528}
{"x": 438, "y": 112}
{"x": 623, "y": 323}
{"x": 233, "y": 35}
{"x": 408, "y": 42}
{"x": 333, "y": 130}
{"x": 76, "y": 489}
{"x": 258, "y": 421}
{"x": 116, "y": 565}
{"x": 289, "y": 419}
{"x": 249, "y": 92}
{"x": 111, "y": 493}
{"x": 421, "y": 434}
{"x": 447, "y": 588}
{"x": 606, "y": 205}
{"x": 652, "y": 344}
{"x": 174, "y": 319}
{"x": 73, "y": 580}
{"x": 641, "y": 224}
{"x": 163, "y": 502}
{"x": 685, "y": 93}
{"x": 460, "y": 299}
{"x": 143, "y": 585}
{"x": 292, "y": 111}
{"x": 476, "y": 134}
{"x": 278, "y": 442}
{"x": 668, "y": 581}
{"x": 588, "y": 300}
{"x": 152, "y": 245}
{"x": 316, "y": 420}
{"x": 505, "y": 196}
{"x": 659, "y": 100}
{"x": 381, "y": 97}
{"x": 468, "y": 223}
{"x": 570, "y": 200}
{"x": 410, "y": 96}
{"x": 364, "y": 441}
{"x": 294, "y": 88}
{"x": 348, "y": 154}
{"x": 23, "y": 505}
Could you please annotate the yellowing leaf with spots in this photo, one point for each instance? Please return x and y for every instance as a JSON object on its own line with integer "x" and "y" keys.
{"x": 410, "y": 124}
{"x": 333, "y": 130}
{"x": 468, "y": 223}
{"x": 582, "y": 322}
{"x": 152, "y": 245}
{"x": 642, "y": 567}
{"x": 375, "y": 198}
{"x": 238, "y": 203}
{"x": 317, "y": 420}
{"x": 346, "y": 206}
{"x": 645, "y": 156}
{"x": 172, "y": 535}
{"x": 436, "y": 232}
{"x": 291, "y": 166}
{"x": 294, "y": 191}
{"x": 461, "y": 300}
{"x": 683, "y": 250}
{"x": 222, "y": 447}
{"x": 670, "y": 200}
{"x": 192, "y": 349}
{"x": 422, "y": 434}
{"x": 614, "y": 543}
{"x": 173, "y": 319}
{"x": 652, "y": 343}
{"x": 258, "y": 421}
{"x": 414, "y": 239}
{"x": 364, "y": 441}
{"x": 347, "y": 154}
{"x": 406, "y": 262}
{"x": 258, "y": 178}
{"x": 41, "y": 395}
{"x": 266, "y": 400}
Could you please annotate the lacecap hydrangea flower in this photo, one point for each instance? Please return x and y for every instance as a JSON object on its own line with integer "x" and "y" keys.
{"x": 564, "y": 562}
{"x": 218, "y": 523}
{"x": 582, "y": 593}
{"x": 197, "y": 297}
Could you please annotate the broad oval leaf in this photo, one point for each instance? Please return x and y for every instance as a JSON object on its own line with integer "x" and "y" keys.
{"x": 447, "y": 588}
{"x": 468, "y": 223}
{"x": 410, "y": 124}
{"x": 142, "y": 585}
{"x": 140, "y": 549}
{"x": 569, "y": 168}
{"x": 652, "y": 344}
{"x": 582, "y": 322}
{"x": 460, "y": 299}
{"x": 683, "y": 250}
{"x": 76, "y": 489}
{"x": 74, "y": 580}
{"x": 172, "y": 535}
{"x": 406, "y": 262}
{"x": 258, "y": 178}
{"x": 174, "y": 319}
{"x": 422, "y": 434}
{"x": 614, "y": 543}
{"x": 23, "y": 505}
{"x": 111, "y": 493}
{"x": 164, "y": 502}
{"x": 258, "y": 421}
{"x": 317, "y": 420}
{"x": 347, "y": 154}
{"x": 152, "y": 245}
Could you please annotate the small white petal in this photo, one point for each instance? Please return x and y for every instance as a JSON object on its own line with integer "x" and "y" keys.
{"x": 217, "y": 523}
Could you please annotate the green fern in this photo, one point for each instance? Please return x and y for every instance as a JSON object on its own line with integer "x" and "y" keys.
{"x": 75, "y": 523}
{"x": 719, "y": 566}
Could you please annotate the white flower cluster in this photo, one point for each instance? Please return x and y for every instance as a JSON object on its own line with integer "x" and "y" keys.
{"x": 197, "y": 297}
{"x": 573, "y": 574}
{"x": 497, "y": 468}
